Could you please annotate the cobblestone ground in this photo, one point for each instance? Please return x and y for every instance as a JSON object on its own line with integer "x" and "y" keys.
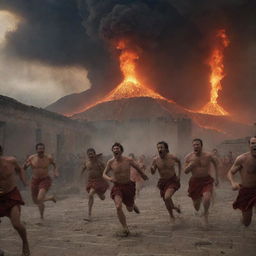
{"x": 64, "y": 232}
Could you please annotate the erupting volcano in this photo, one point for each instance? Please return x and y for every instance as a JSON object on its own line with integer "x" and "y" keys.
{"x": 217, "y": 74}
{"x": 130, "y": 87}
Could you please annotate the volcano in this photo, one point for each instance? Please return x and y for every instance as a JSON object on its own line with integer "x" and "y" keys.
{"x": 132, "y": 100}
{"x": 139, "y": 108}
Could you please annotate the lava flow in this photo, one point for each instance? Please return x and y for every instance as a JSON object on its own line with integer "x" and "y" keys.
{"x": 217, "y": 74}
{"x": 130, "y": 87}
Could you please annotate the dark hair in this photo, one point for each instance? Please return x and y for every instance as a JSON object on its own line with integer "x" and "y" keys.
{"x": 197, "y": 139}
{"x": 253, "y": 137}
{"x": 91, "y": 150}
{"x": 165, "y": 145}
{"x": 1, "y": 150}
{"x": 40, "y": 144}
{"x": 117, "y": 144}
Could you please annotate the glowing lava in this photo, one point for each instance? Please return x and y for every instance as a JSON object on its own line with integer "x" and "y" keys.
{"x": 130, "y": 87}
{"x": 217, "y": 74}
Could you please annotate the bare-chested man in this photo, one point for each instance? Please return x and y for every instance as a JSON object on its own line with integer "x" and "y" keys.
{"x": 41, "y": 181}
{"x": 10, "y": 198}
{"x": 198, "y": 163}
{"x": 123, "y": 190}
{"x": 245, "y": 164}
{"x": 169, "y": 182}
{"x": 95, "y": 184}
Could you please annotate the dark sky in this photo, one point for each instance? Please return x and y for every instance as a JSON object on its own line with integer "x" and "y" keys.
{"x": 174, "y": 37}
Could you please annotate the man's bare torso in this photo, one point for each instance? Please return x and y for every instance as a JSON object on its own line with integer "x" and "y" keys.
{"x": 248, "y": 170}
{"x": 40, "y": 166}
{"x": 94, "y": 169}
{"x": 121, "y": 169}
{"x": 7, "y": 174}
{"x": 166, "y": 166}
{"x": 202, "y": 164}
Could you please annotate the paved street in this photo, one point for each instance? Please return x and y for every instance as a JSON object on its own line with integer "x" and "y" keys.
{"x": 64, "y": 232}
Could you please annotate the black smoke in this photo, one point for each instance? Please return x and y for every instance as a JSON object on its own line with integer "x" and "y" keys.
{"x": 174, "y": 38}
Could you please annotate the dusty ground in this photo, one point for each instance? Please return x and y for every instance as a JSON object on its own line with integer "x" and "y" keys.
{"x": 65, "y": 233}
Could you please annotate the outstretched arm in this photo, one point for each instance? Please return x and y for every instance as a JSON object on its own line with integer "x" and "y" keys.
{"x": 106, "y": 171}
{"x": 237, "y": 166}
{"x": 27, "y": 163}
{"x": 216, "y": 168}
{"x": 177, "y": 160}
{"x": 153, "y": 167}
{"x": 136, "y": 166}
{"x": 20, "y": 171}
{"x": 83, "y": 169}
{"x": 55, "y": 170}
{"x": 189, "y": 165}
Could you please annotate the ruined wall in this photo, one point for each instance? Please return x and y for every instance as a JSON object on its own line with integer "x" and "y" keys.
{"x": 238, "y": 146}
{"x": 21, "y": 127}
{"x": 140, "y": 136}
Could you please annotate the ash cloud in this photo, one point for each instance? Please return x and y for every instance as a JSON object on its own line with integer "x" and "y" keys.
{"x": 174, "y": 38}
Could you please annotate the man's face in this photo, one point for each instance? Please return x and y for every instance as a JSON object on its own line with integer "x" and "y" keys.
{"x": 162, "y": 151}
{"x": 117, "y": 151}
{"x": 253, "y": 146}
{"x": 40, "y": 150}
{"x": 91, "y": 154}
{"x": 197, "y": 147}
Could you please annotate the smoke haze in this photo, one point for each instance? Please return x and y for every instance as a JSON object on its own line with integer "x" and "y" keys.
{"x": 174, "y": 38}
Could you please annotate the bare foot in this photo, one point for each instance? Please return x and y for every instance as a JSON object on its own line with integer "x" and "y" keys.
{"x": 89, "y": 219}
{"x": 205, "y": 217}
{"x": 123, "y": 233}
{"x": 136, "y": 209}
{"x": 177, "y": 209}
{"x": 102, "y": 197}
{"x": 54, "y": 199}
{"x": 172, "y": 219}
{"x": 25, "y": 250}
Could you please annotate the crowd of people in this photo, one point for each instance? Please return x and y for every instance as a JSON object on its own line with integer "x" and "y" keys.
{"x": 127, "y": 176}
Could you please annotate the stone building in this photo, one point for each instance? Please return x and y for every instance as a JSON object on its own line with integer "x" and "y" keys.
{"x": 22, "y": 126}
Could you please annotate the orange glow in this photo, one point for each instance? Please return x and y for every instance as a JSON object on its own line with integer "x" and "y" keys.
{"x": 217, "y": 74}
{"x": 130, "y": 87}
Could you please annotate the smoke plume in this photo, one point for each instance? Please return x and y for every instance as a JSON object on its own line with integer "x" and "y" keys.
{"x": 174, "y": 39}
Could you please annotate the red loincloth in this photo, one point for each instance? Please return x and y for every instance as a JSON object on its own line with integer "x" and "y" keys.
{"x": 164, "y": 184}
{"x": 100, "y": 186}
{"x": 8, "y": 201}
{"x": 125, "y": 191}
{"x": 246, "y": 199}
{"x": 198, "y": 186}
{"x": 39, "y": 183}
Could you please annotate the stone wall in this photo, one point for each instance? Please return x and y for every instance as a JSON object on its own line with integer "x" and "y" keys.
{"x": 22, "y": 126}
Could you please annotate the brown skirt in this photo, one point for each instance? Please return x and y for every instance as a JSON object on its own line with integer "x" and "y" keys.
{"x": 8, "y": 201}
{"x": 40, "y": 183}
{"x": 100, "y": 186}
{"x": 164, "y": 184}
{"x": 246, "y": 199}
{"x": 125, "y": 191}
{"x": 198, "y": 186}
